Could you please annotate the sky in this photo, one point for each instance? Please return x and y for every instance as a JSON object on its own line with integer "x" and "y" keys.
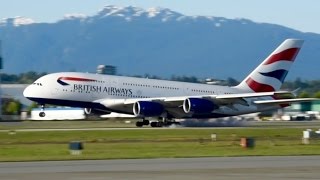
{"x": 297, "y": 14}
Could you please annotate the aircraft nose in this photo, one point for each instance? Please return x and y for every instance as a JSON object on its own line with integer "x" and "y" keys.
{"x": 27, "y": 92}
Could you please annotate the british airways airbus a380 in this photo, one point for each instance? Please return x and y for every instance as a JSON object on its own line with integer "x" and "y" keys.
{"x": 144, "y": 98}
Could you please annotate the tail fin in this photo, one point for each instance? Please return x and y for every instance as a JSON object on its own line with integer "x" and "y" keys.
{"x": 270, "y": 74}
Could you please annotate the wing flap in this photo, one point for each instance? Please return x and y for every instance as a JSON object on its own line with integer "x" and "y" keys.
{"x": 251, "y": 95}
{"x": 285, "y": 101}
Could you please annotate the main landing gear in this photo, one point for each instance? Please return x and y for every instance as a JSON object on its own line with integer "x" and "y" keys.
{"x": 160, "y": 123}
{"x": 42, "y": 113}
{"x": 144, "y": 122}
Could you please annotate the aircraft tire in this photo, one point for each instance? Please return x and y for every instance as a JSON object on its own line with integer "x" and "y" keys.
{"x": 146, "y": 122}
{"x": 139, "y": 123}
{"x": 154, "y": 124}
{"x": 42, "y": 114}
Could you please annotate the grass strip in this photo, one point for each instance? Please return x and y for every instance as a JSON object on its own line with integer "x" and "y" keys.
{"x": 154, "y": 143}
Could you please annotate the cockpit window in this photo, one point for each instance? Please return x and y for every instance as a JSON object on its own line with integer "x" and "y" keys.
{"x": 37, "y": 84}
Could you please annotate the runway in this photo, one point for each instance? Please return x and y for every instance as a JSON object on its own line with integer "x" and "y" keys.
{"x": 253, "y": 124}
{"x": 38, "y": 126}
{"x": 240, "y": 168}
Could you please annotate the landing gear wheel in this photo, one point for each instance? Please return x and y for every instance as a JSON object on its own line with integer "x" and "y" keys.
{"x": 156, "y": 124}
{"x": 42, "y": 114}
{"x": 146, "y": 122}
{"x": 177, "y": 123}
{"x": 139, "y": 123}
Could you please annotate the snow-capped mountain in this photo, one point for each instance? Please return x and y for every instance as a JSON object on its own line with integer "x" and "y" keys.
{"x": 134, "y": 13}
{"x": 156, "y": 41}
{"x": 16, "y": 21}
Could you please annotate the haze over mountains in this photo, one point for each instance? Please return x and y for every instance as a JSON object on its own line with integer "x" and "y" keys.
{"x": 154, "y": 41}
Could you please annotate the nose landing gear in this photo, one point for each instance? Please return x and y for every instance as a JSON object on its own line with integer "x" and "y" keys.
{"x": 42, "y": 113}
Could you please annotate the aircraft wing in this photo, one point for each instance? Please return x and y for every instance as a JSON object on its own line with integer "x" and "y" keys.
{"x": 179, "y": 99}
{"x": 284, "y": 101}
{"x": 174, "y": 104}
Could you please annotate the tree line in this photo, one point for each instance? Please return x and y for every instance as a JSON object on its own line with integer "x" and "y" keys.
{"x": 23, "y": 78}
{"x": 308, "y": 88}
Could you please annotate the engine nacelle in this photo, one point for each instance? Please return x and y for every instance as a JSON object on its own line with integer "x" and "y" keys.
{"x": 147, "y": 109}
{"x": 89, "y": 111}
{"x": 198, "y": 106}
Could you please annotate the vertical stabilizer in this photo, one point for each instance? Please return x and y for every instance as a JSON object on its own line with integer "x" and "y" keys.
{"x": 270, "y": 74}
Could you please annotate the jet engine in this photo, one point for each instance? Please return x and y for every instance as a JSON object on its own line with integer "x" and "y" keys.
{"x": 147, "y": 109}
{"x": 198, "y": 106}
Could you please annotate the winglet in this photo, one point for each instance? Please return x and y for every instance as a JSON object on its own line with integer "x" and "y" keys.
{"x": 296, "y": 91}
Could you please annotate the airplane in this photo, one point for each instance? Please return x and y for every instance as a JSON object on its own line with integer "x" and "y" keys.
{"x": 170, "y": 100}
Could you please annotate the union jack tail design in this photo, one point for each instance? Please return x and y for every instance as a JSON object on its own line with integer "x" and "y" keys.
{"x": 270, "y": 74}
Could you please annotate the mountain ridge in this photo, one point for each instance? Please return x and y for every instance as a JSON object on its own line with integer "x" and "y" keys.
{"x": 155, "y": 41}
